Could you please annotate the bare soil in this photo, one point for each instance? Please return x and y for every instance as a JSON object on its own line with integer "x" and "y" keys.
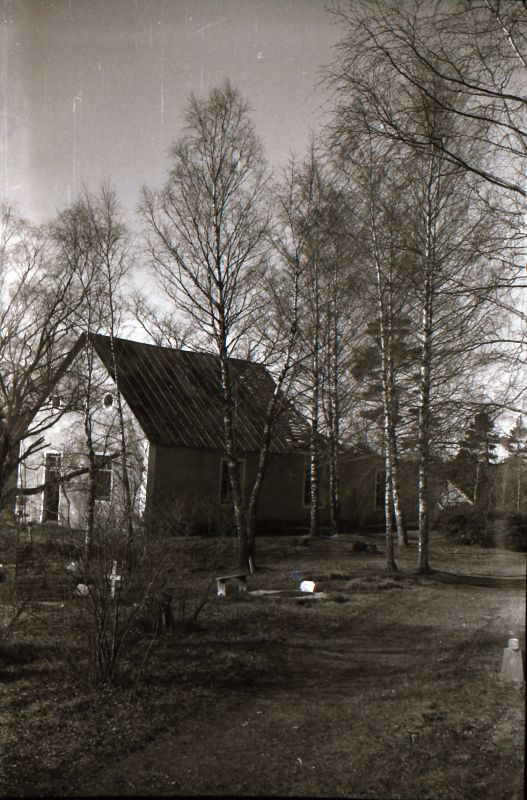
{"x": 387, "y": 687}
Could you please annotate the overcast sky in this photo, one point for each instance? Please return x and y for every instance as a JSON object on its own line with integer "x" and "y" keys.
{"x": 94, "y": 89}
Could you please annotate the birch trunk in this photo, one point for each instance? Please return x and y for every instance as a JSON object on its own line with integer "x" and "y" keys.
{"x": 426, "y": 368}
{"x": 88, "y": 437}
{"x": 384, "y": 310}
{"x": 391, "y": 566}
{"x": 244, "y": 553}
{"x": 334, "y": 488}
{"x": 314, "y": 461}
{"x": 333, "y": 404}
{"x": 424, "y": 432}
{"x": 391, "y": 408}
{"x": 389, "y": 440}
{"x": 128, "y": 507}
{"x": 402, "y": 534}
{"x": 314, "y": 520}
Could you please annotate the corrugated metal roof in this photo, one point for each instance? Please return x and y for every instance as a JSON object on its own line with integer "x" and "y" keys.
{"x": 176, "y": 397}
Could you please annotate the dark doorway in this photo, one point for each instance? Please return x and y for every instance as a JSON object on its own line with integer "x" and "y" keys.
{"x": 52, "y": 488}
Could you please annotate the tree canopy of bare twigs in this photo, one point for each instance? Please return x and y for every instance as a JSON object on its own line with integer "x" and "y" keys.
{"x": 208, "y": 223}
{"x": 208, "y": 239}
{"x": 38, "y": 299}
{"x": 94, "y": 244}
{"x": 440, "y": 254}
{"x": 469, "y": 59}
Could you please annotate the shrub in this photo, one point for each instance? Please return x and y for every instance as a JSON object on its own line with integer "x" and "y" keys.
{"x": 511, "y": 531}
{"x": 106, "y": 628}
{"x": 108, "y": 634}
{"x": 488, "y": 528}
{"x": 190, "y": 516}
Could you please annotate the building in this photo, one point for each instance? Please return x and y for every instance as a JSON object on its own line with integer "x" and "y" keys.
{"x": 171, "y": 407}
{"x": 172, "y": 411}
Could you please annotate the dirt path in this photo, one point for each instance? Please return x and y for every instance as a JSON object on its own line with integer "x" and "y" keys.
{"x": 388, "y": 688}
{"x": 372, "y": 703}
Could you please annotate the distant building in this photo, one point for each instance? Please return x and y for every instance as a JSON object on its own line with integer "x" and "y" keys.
{"x": 452, "y": 495}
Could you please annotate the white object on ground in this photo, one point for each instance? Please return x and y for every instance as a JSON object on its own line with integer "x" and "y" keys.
{"x": 307, "y": 586}
{"x": 512, "y": 668}
{"x": 114, "y": 578}
{"x": 238, "y": 581}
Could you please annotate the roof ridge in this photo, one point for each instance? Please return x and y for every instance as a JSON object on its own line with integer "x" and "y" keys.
{"x": 174, "y": 349}
{"x": 176, "y": 396}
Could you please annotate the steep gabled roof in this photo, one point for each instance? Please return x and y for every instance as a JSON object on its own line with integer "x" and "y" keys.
{"x": 175, "y": 396}
{"x": 452, "y": 495}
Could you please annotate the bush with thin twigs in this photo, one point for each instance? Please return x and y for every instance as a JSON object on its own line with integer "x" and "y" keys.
{"x": 114, "y": 617}
{"x": 108, "y": 629}
{"x": 474, "y": 524}
{"x": 15, "y": 593}
{"x": 188, "y": 515}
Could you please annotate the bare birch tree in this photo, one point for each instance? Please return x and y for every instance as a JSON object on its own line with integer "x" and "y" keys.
{"x": 386, "y": 95}
{"x": 112, "y": 255}
{"x": 311, "y": 211}
{"x": 371, "y": 173}
{"x": 38, "y": 299}
{"x": 338, "y": 329}
{"x": 299, "y": 246}
{"x": 208, "y": 240}
{"x": 93, "y": 243}
{"x": 316, "y": 219}
{"x": 467, "y": 59}
{"x": 312, "y": 223}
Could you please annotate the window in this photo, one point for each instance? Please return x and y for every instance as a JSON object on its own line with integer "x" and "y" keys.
{"x": 21, "y": 508}
{"x": 103, "y": 477}
{"x": 380, "y": 488}
{"x": 225, "y": 484}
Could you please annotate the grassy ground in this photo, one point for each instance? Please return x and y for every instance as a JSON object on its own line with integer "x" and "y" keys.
{"x": 387, "y": 687}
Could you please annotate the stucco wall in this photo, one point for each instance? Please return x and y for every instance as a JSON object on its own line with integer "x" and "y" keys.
{"x": 66, "y": 438}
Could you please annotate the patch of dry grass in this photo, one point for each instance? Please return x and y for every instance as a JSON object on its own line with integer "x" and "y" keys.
{"x": 392, "y": 692}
